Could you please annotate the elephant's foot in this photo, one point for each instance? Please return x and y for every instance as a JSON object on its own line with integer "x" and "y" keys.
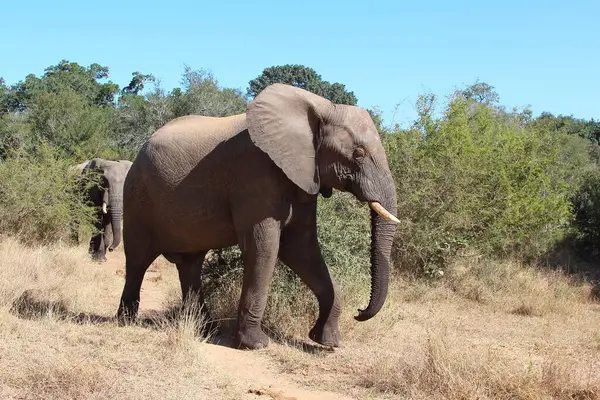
{"x": 126, "y": 315}
{"x": 327, "y": 334}
{"x": 251, "y": 339}
{"x": 99, "y": 258}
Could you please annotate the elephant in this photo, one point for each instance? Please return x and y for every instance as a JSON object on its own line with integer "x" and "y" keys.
{"x": 107, "y": 197}
{"x": 201, "y": 183}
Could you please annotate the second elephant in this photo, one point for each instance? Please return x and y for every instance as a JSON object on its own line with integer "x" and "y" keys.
{"x": 107, "y": 198}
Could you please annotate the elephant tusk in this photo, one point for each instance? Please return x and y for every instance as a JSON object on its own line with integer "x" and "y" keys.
{"x": 378, "y": 208}
{"x": 104, "y": 209}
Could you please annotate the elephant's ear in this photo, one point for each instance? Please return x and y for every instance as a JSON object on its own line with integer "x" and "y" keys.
{"x": 284, "y": 122}
{"x": 79, "y": 168}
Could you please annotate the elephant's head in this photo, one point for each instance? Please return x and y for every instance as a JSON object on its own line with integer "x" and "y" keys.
{"x": 109, "y": 196}
{"x": 320, "y": 145}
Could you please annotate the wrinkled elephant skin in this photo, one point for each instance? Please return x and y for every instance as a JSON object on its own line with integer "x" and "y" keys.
{"x": 252, "y": 179}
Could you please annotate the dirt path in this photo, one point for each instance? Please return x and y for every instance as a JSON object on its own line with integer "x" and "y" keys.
{"x": 254, "y": 373}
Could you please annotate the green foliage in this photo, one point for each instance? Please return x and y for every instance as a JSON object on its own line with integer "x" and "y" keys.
{"x": 39, "y": 197}
{"x": 572, "y": 126}
{"x": 70, "y": 123}
{"x": 481, "y": 92}
{"x": 65, "y": 76}
{"x": 138, "y": 116}
{"x": 478, "y": 176}
{"x": 84, "y": 81}
{"x": 202, "y": 95}
{"x": 15, "y": 134}
{"x": 474, "y": 174}
{"x": 137, "y": 83}
{"x": 344, "y": 233}
{"x": 586, "y": 204}
{"x": 302, "y": 77}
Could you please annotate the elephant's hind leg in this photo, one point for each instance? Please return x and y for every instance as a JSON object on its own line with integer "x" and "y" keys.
{"x": 300, "y": 251}
{"x": 259, "y": 246}
{"x": 189, "y": 267}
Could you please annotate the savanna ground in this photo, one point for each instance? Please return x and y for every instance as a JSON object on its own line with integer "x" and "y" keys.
{"x": 486, "y": 330}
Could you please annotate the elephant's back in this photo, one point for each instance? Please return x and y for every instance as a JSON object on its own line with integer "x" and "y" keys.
{"x": 177, "y": 148}
{"x": 182, "y": 178}
{"x": 202, "y": 128}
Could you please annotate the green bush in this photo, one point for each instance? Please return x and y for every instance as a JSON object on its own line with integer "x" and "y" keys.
{"x": 344, "y": 233}
{"x": 39, "y": 199}
{"x": 68, "y": 123}
{"x": 482, "y": 177}
{"x": 586, "y": 204}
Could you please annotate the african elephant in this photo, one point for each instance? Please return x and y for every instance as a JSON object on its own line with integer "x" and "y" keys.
{"x": 252, "y": 179}
{"x": 108, "y": 200}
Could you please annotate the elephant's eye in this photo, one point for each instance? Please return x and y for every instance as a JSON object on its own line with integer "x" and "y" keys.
{"x": 359, "y": 153}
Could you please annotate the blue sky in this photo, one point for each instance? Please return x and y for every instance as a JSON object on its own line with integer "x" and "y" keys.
{"x": 545, "y": 54}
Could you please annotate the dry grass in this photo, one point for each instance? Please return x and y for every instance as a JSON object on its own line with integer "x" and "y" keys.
{"x": 487, "y": 330}
{"x": 513, "y": 287}
{"x": 58, "y": 339}
{"x": 496, "y": 330}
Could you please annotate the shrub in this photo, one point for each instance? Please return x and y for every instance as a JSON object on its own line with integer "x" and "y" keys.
{"x": 478, "y": 176}
{"x": 586, "y": 204}
{"x": 344, "y": 233}
{"x": 39, "y": 200}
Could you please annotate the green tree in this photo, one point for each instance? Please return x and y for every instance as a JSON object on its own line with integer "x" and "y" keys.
{"x": 481, "y": 92}
{"x": 18, "y": 97}
{"x": 302, "y": 77}
{"x": 82, "y": 80}
{"x": 202, "y": 95}
{"x": 67, "y": 107}
{"x": 476, "y": 176}
{"x": 65, "y": 76}
{"x": 67, "y": 121}
{"x": 138, "y": 116}
{"x": 3, "y": 94}
{"x": 589, "y": 129}
{"x": 136, "y": 85}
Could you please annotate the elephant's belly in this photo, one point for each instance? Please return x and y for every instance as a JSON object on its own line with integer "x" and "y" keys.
{"x": 196, "y": 231}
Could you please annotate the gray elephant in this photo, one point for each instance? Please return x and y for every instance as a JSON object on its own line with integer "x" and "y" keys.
{"x": 252, "y": 179}
{"x": 107, "y": 197}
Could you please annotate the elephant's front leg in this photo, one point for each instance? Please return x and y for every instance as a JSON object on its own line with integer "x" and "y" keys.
{"x": 259, "y": 246}
{"x": 300, "y": 251}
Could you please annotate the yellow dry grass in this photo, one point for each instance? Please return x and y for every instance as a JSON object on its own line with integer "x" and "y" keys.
{"x": 58, "y": 339}
{"x": 488, "y": 330}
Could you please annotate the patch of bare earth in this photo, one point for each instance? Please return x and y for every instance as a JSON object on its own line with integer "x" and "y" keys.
{"x": 522, "y": 335}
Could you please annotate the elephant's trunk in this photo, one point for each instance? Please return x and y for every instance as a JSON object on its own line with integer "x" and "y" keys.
{"x": 116, "y": 213}
{"x": 383, "y": 229}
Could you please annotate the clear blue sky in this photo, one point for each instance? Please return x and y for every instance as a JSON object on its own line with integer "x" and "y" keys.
{"x": 540, "y": 53}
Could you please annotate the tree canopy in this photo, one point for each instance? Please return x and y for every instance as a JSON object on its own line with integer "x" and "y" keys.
{"x": 302, "y": 77}
{"x": 498, "y": 179}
